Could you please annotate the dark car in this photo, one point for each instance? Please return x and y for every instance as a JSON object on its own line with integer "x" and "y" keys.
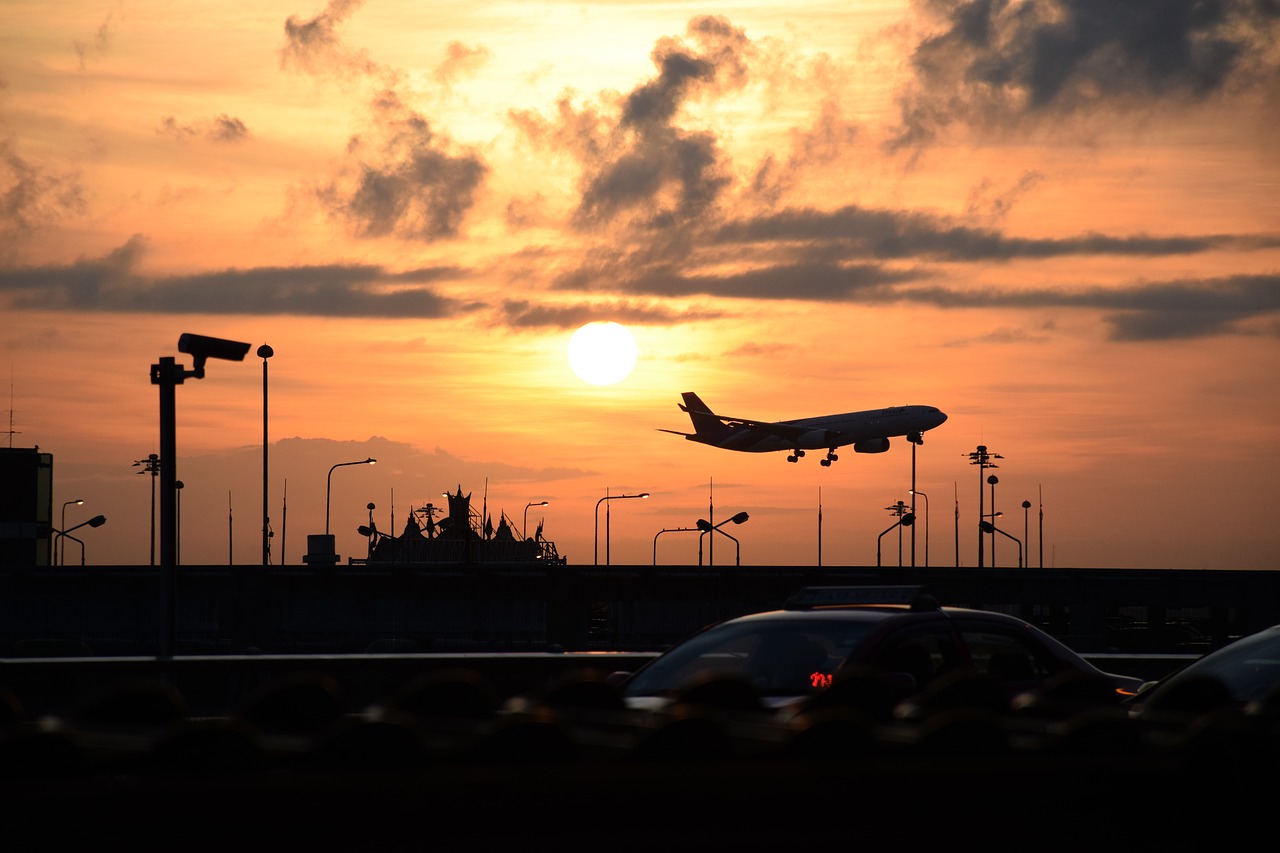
{"x": 823, "y": 633}
{"x": 1244, "y": 671}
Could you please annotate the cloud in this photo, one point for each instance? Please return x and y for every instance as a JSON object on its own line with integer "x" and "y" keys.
{"x": 522, "y": 314}
{"x": 31, "y": 195}
{"x": 994, "y": 63}
{"x": 313, "y": 45}
{"x": 224, "y": 128}
{"x": 460, "y": 61}
{"x": 406, "y": 180}
{"x": 111, "y": 283}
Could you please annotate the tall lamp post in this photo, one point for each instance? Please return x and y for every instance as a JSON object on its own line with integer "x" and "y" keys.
{"x": 265, "y": 352}
{"x": 96, "y": 521}
{"x": 992, "y": 479}
{"x": 1026, "y": 522}
{"x": 915, "y": 492}
{"x": 605, "y": 500}
{"x": 524, "y": 523}
{"x": 151, "y": 465}
{"x": 916, "y": 438}
{"x": 707, "y": 527}
{"x": 177, "y": 523}
{"x": 61, "y": 558}
{"x": 982, "y": 458}
{"x": 328, "y": 484}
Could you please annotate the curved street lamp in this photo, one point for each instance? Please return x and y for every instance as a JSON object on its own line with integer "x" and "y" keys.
{"x": 596, "y": 554}
{"x": 988, "y": 527}
{"x": 329, "y": 483}
{"x": 524, "y": 523}
{"x": 905, "y": 519}
{"x": 61, "y": 558}
{"x": 671, "y": 530}
{"x": 96, "y": 521}
{"x": 707, "y": 527}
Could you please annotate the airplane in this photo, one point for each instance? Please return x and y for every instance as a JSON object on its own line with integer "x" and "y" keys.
{"x": 868, "y": 431}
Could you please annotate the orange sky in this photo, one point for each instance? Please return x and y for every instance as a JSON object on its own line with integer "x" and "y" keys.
{"x": 1062, "y": 230}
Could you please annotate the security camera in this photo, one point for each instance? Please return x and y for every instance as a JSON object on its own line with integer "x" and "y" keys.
{"x": 201, "y": 347}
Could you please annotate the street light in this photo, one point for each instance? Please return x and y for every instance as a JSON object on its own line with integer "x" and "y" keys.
{"x": 96, "y": 521}
{"x": 905, "y": 519}
{"x": 265, "y": 352}
{"x": 1026, "y": 521}
{"x": 707, "y": 527}
{"x": 993, "y": 479}
{"x": 177, "y": 522}
{"x": 926, "y": 525}
{"x": 988, "y": 527}
{"x": 524, "y": 523}
{"x": 61, "y": 558}
{"x": 672, "y": 530}
{"x": 596, "y": 554}
{"x": 982, "y": 459}
{"x": 328, "y": 483}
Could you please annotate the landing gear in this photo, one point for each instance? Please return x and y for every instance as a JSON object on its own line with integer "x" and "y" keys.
{"x": 831, "y": 457}
{"x": 915, "y": 437}
{"x": 795, "y": 456}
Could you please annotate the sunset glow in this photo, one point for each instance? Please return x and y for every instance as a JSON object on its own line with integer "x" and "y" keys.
{"x": 1065, "y": 235}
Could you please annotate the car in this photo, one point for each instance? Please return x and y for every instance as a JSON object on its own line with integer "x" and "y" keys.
{"x": 1244, "y": 672}
{"x": 824, "y": 634}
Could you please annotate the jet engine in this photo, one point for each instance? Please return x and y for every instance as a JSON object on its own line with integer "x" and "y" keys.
{"x": 871, "y": 445}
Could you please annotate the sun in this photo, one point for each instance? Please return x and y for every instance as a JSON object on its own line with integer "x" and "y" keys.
{"x": 602, "y": 353}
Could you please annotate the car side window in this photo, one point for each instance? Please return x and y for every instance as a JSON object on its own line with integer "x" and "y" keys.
{"x": 923, "y": 653}
{"x": 1006, "y": 656}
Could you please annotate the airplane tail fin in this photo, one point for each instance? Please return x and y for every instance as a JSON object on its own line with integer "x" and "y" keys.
{"x": 706, "y": 424}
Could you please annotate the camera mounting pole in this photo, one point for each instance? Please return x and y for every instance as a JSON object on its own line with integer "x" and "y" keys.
{"x": 168, "y": 375}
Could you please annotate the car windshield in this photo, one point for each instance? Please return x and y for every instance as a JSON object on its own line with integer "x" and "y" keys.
{"x": 780, "y": 657}
{"x": 1250, "y": 667}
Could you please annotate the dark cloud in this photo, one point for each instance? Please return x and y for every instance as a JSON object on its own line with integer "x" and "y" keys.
{"x": 313, "y": 45}
{"x": 224, "y": 128}
{"x": 858, "y": 232}
{"x": 31, "y": 195}
{"x": 112, "y": 283}
{"x": 647, "y": 166}
{"x": 404, "y": 181}
{"x": 994, "y": 62}
{"x": 523, "y": 314}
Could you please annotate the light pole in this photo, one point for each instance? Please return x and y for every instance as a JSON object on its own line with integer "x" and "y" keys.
{"x": 328, "y": 483}
{"x": 982, "y": 459}
{"x": 1026, "y": 522}
{"x": 993, "y": 479}
{"x": 916, "y": 438}
{"x": 988, "y": 527}
{"x": 604, "y": 500}
{"x": 905, "y": 519}
{"x": 96, "y": 521}
{"x": 671, "y": 530}
{"x": 265, "y": 352}
{"x": 61, "y": 559}
{"x": 707, "y": 527}
{"x": 151, "y": 465}
{"x": 524, "y": 522}
{"x": 915, "y": 492}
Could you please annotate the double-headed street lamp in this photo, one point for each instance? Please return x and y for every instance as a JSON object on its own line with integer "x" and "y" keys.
{"x": 905, "y": 519}
{"x": 60, "y": 558}
{"x": 151, "y": 465}
{"x": 604, "y": 500}
{"x": 524, "y": 523}
{"x": 982, "y": 458}
{"x": 328, "y": 483}
{"x": 707, "y": 527}
{"x": 96, "y": 521}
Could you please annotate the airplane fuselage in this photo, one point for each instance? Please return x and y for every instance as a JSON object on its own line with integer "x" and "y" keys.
{"x": 826, "y": 432}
